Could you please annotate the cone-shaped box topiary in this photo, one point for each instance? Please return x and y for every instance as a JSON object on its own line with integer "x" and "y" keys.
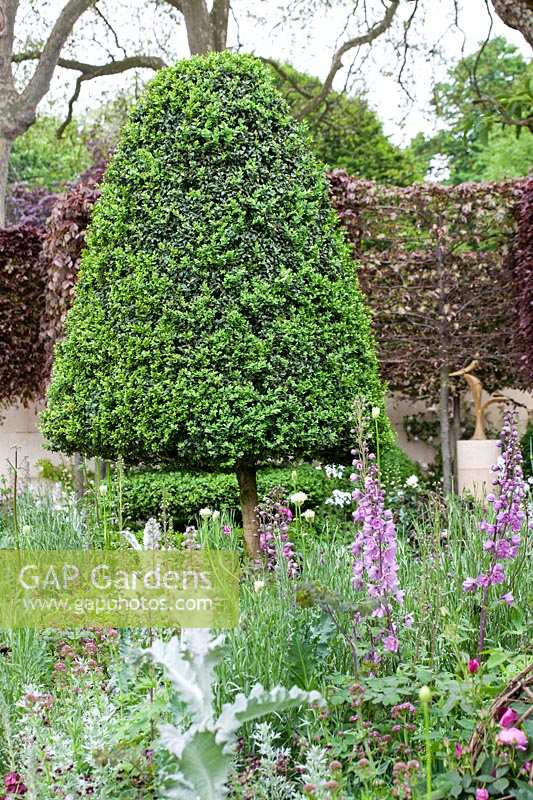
{"x": 217, "y": 321}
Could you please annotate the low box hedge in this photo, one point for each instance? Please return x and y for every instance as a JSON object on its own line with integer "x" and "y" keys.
{"x": 183, "y": 493}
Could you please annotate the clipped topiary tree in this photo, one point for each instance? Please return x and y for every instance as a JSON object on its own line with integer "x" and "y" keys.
{"x": 217, "y": 321}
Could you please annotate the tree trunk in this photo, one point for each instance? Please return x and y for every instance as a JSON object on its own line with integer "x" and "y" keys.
{"x": 517, "y": 14}
{"x": 78, "y": 475}
{"x": 5, "y": 150}
{"x": 456, "y": 435}
{"x": 247, "y": 477}
{"x": 219, "y": 24}
{"x": 207, "y": 31}
{"x": 445, "y": 431}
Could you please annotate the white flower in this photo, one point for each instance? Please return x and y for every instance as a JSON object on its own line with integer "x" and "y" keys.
{"x": 205, "y": 513}
{"x": 215, "y": 515}
{"x": 376, "y": 411}
{"x": 412, "y": 481}
{"x": 103, "y": 489}
{"x": 298, "y": 498}
{"x": 309, "y": 515}
{"x": 152, "y": 535}
{"x": 258, "y": 585}
{"x": 339, "y": 498}
{"x": 334, "y": 470}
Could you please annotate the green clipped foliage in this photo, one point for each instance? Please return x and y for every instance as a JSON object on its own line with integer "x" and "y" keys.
{"x": 396, "y": 467}
{"x": 182, "y": 493}
{"x": 217, "y": 318}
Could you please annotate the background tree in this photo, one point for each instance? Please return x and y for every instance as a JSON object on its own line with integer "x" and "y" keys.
{"x": 217, "y": 321}
{"x": 207, "y": 29}
{"x": 435, "y": 272}
{"x": 347, "y": 133}
{"x": 39, "y": 158}
{"x": 472, "y": 137}
{"x": 18, "y": 107}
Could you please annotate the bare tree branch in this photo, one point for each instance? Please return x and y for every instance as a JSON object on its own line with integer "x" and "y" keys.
{"x": 68, "y": 119}
{"x": 111, "y": 29}
{"x": 284, "y": 75}
{"x": 40, "y": 82}
{"x": 367, "y": 38}
{"x": 97, "y": 70}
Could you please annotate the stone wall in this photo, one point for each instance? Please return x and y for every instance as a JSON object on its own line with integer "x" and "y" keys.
{"x": 19, "y": 428}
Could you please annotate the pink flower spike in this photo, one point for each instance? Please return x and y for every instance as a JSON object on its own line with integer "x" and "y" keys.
{"x": 512, "y": 737}
{"x": 508, "y": 719}
{"x": 473, "y": 666}
{"x": 508, "y": 598}
{"x": 458, "y": 750}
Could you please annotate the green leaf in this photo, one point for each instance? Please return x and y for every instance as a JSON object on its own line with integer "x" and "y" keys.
{"x": 203, "y": 770}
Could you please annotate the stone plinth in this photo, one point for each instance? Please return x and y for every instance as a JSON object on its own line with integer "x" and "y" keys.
{"x": 474, "y": 461}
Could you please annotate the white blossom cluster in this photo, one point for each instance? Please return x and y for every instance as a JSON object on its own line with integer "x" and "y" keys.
{"x": 339, "y": 498}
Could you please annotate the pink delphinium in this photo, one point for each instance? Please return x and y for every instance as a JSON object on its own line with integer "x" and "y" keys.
{"x": 274, "y": 521}
{"x": 502, "y": 527}
{"x": 375, "y": 567}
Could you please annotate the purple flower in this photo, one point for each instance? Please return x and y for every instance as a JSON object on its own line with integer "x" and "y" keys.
{"x": 482, "y": 794}
{"x": 508, "y": 718}
{"x": 375, "y": 566}
{"x": 503, "y": 521}
{"x": 512, "y": 737}
{"x": 473, "y": 666}
{"x": 391, "y": 643}
{"x": 14, "y": 784}
{"x": 274, "y": 522}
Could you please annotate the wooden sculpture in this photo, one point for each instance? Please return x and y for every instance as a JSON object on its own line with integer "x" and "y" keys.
{"x": 476, "y": 389}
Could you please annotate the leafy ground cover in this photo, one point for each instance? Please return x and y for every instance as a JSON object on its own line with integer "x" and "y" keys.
{"x": 400, "y": 692}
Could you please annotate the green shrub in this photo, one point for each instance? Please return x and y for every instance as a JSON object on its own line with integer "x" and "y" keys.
{"x": 396, "y": 467}
{"x": 182, "y": 493}
{"x": 217, "y": 321}
{"x": 39, "y": 158}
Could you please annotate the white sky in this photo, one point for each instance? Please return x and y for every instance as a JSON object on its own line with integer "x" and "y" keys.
{"x": 307, "y": 44}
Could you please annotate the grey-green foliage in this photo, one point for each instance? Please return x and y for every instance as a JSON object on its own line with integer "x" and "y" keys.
{"x": 202, "y": 751}
{"x": 217, "y": 318}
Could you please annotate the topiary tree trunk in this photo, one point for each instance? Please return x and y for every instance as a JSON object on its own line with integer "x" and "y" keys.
{"x": 247, "y": 478}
